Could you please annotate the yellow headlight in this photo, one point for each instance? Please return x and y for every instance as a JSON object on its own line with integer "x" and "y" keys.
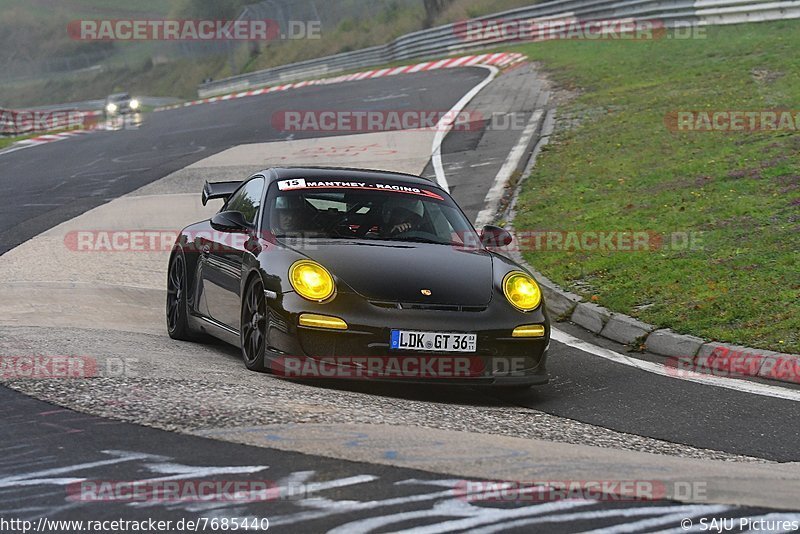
{"x": 521, "y": 291}
{"x": 311, "y": 280}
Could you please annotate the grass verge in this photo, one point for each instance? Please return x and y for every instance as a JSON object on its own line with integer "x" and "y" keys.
{"x": 8, "y": 141}
{"x": 614, "y": 165}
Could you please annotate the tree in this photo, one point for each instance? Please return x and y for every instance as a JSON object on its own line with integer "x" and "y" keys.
{"x": 432, "y": 10}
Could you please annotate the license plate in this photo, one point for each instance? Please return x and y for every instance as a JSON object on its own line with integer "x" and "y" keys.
{"x": 433, "y": 341}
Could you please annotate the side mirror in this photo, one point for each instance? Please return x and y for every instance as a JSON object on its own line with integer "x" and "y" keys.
{"x": 496, "y": 237}
{"x": 232, "y": 222}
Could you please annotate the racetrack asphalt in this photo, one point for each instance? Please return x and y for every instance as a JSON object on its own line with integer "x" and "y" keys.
{"x": 60, "y": 466}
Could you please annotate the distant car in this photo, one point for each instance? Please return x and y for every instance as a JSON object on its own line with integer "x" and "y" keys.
{"x": 352, "y": 268}
{"x": 120, "y": 104}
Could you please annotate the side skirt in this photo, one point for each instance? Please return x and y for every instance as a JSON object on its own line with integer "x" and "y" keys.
{"x": 218, "y": 330}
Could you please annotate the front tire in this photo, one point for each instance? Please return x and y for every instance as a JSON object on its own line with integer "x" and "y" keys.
{"x": 254, "y": 325}
{"x": 177, "y": 309}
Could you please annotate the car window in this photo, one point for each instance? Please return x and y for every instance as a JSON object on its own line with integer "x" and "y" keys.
{"x": 369, "y": 211}
{"x": 247, "y": 199}
{"x": 440, "y": 219}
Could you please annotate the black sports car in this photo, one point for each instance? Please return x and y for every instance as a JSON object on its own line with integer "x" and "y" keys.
{"x": 323, "y": 272}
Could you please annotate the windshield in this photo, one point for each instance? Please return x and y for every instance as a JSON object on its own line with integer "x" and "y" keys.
{"x": 366, "y": 211}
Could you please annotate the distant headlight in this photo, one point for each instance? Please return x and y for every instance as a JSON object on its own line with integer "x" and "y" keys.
{"x": 522, "y": 291}
{"x": 111, "y": 108}
{"x": 311, "y": 280}
{"x": 134, "y": 104}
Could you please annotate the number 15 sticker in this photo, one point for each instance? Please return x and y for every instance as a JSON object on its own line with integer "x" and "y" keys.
{"x": 297, "y": 183}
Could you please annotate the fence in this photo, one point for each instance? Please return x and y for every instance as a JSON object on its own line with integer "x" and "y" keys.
{"x": 448, "y": 39}
{"x": 329, "y": 13}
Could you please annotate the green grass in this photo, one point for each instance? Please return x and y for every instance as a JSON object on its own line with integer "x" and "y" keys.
{"x": 8, "y": 141}
{"x": 620, "y": 168}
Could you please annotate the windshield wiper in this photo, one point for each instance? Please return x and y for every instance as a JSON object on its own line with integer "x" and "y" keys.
{"x": 420, "y": 240}
{"x": 316, "y": 236}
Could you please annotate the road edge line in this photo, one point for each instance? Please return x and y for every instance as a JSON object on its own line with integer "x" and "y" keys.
{"x": 511, "y": 165}
{"x": 445, "y": 124}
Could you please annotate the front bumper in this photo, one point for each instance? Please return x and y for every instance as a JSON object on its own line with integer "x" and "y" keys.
{"x": 119, "y": 111}
{"x": 499, "y": 359}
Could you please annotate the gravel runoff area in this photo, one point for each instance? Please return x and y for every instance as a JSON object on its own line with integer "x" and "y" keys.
{"x": 210, "y": 388}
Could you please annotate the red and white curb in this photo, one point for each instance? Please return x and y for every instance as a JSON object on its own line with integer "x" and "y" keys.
{"x": 32, "y": 121}
{"x": 49, "y": 138}
{"x": 500, "y": 60}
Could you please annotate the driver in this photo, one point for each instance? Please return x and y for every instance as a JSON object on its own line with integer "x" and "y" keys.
{"x": 288, "y": 220}
{"x": 288, "y": 216}
{"x": 399, "y": 218}
{"x": 401, "y": 227}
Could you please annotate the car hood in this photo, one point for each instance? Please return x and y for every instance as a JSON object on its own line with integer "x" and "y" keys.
{"x": 398, "y": 272}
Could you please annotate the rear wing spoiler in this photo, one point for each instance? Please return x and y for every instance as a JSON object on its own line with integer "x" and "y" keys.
{"x": 212, "y": 190}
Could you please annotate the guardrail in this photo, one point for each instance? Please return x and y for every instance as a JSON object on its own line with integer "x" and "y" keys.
{"x": 450, "y": 39}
